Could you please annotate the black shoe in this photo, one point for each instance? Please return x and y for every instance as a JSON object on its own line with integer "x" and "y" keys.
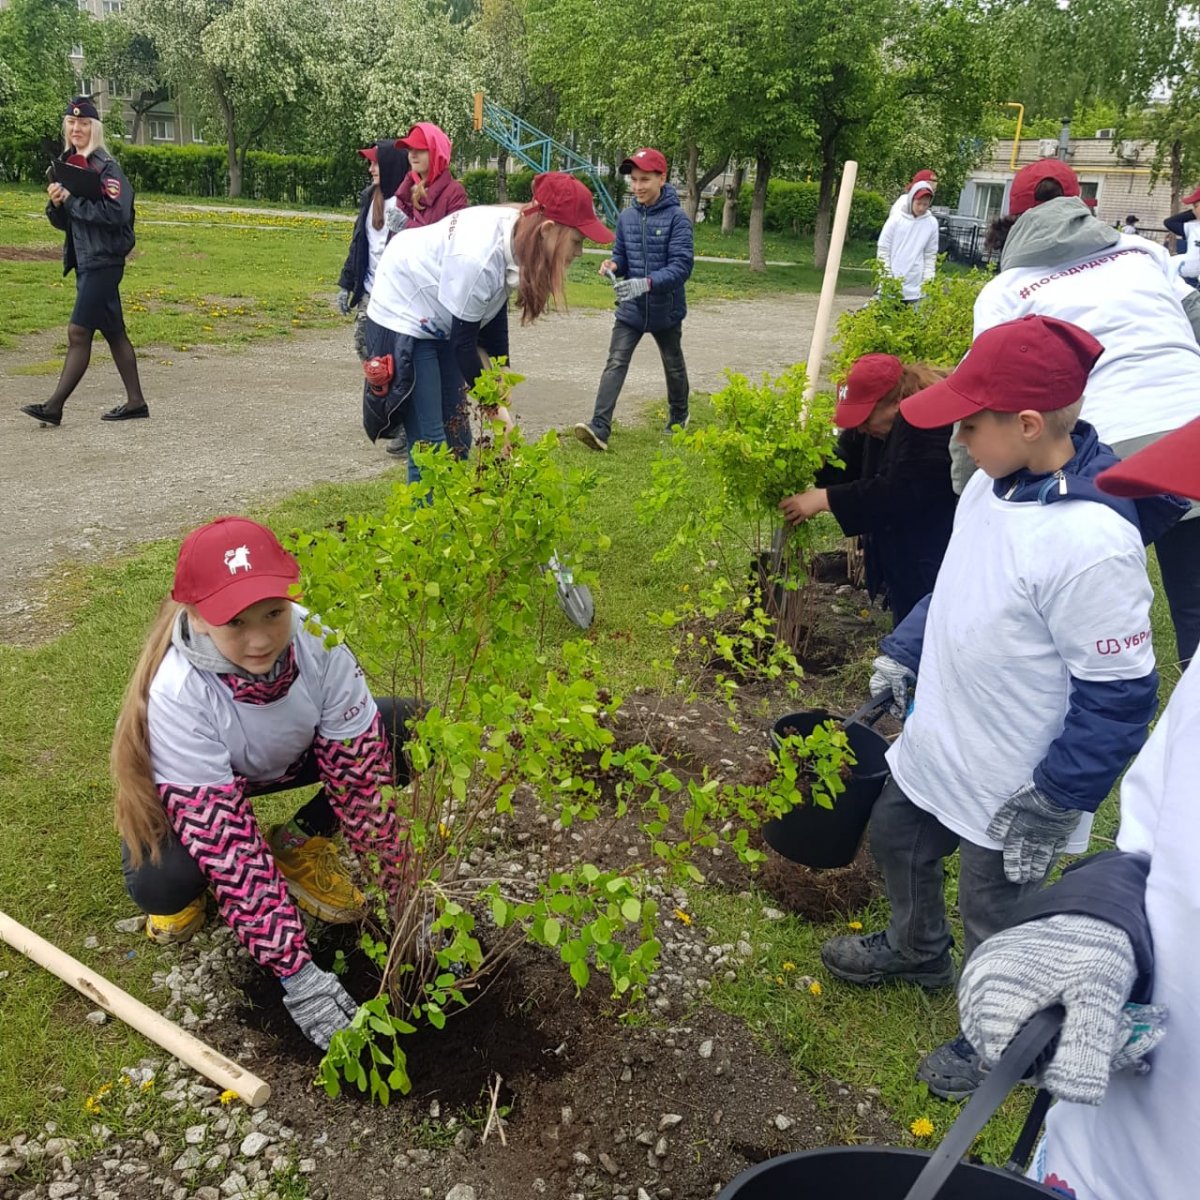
{"x": 124, "y": 413}
{"x": 398, "y": 446}
{"x": 952, "y": 1071}
{"x": 38, "y": 413}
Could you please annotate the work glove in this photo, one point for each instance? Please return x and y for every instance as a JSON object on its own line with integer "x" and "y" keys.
{"x": 317, "y": 1003}
{"x": 395, "y": 219}
{"x": 343, "y": 302}
{"x": 1082, "y": 963}
{"x": 888, "y": 675}
{"x": 1035, "y": 831}
{"x": 630, "y": 289}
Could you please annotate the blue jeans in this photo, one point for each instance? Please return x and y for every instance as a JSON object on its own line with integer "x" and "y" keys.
{"x": 620, "y": 351}
{"x": 436, "y": 413}
{"x": 910, "y": 846}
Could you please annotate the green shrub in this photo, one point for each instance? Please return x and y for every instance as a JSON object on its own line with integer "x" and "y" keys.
{"x": 792, "y": 208}
{"x": 481, "y": 186}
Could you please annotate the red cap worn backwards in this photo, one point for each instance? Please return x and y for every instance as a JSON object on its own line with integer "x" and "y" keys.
{"x": 562, "y": 198}
{"x": 870, "y": 379}
{"x": 1172, "y": 464}
{"x": 1037, "y": 363}
{"x": 1025, "y": 181}
{"x": 230, "y": 564}
{"x": 645, "y": 159}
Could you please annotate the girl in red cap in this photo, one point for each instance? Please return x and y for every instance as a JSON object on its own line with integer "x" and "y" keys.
{"x": 237, "y": 694}
{"x": 436, "y": 287}
{"x": 99, "y": 238}
{"x": 894, "y": 491}
{"x": 429, "y": 192}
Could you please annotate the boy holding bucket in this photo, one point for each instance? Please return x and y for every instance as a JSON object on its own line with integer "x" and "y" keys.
{"x": 1034, "y": 671}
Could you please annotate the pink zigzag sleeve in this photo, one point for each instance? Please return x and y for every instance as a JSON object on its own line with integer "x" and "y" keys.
{"x": 217, "y": 828}
{"x": 354, "y": 772}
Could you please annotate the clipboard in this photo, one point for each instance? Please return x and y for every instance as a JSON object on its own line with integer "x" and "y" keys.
{"x": 79, "y": 181}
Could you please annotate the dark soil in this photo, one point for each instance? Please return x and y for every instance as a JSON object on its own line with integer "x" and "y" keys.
{"x": 30, "y": 253}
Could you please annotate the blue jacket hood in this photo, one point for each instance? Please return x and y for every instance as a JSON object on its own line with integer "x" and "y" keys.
{"x": 667, "y": 198}
{"x": 1153, "y": 515}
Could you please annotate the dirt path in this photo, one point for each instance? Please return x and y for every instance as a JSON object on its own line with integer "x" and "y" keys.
{"x": 233, "y": 430}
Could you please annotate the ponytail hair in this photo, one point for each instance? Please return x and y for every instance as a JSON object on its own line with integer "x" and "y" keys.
{"x": 540, "y": 250}
{"x": 141, "y": 819}
{"x": 916, "y": 377}
{"x": 377, "y": 203}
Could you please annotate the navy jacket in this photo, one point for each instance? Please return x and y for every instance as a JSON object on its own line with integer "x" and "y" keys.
{"x": 393, "y": 166}
{"x": 655, "y": 243}
{"x": 895, "y": 492}
{"x": 99, "y": 232}
{"x": 1107, "y": 720}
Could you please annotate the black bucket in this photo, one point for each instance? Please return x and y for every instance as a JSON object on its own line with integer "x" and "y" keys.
{"x": 830, "y": 837}
{"x": 874, "y": 1172}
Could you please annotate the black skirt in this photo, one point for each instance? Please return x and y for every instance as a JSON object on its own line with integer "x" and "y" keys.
{"x": 97, "y": 300}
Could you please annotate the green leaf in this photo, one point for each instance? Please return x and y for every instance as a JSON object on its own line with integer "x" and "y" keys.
{"x": 631, "y": 909}
{"x": 551, "y": 931}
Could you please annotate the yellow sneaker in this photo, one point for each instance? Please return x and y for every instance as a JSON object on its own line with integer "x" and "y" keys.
{"x": 178, "y": 927}
{"x": 316, "y": 878}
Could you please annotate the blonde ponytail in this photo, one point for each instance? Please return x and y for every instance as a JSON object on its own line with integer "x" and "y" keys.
{"x": 141, "y": 819}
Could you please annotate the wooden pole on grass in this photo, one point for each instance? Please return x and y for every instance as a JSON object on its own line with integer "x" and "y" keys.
{"x": 837, "y": 239}
{"x": 224, "y": 1072}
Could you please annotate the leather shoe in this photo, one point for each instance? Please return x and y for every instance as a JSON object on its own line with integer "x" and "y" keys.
{"x": 38, "y": 413}
{"x": 124, "y": 413}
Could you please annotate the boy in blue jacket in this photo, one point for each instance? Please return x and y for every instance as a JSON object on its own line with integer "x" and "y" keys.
{"x": 1033, "y": 665}
{"x": 652, "y": 259}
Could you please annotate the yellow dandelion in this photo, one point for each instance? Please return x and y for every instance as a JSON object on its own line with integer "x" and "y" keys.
{"x": 856, "y": 926}
{"x": 147, "y": 1085}
{"x": 228, "y": 1096}
{"x": 789, "y": 966}
{"x": 443, "y": 830}
{"x": 682, "y": 917}
{"x": 125, "y": 1081}
{"x": 814, "y": 988}
{"x": 778, "y": 978}
{"x": 92, "y": 1105}
{"x": 922, "y": 1127}
{"x": 103, "y": 1090}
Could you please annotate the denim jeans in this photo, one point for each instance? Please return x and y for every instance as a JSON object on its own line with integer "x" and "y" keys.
{"x": 911, "y": 846}
{"x": 1179, "y": 561}
{"x": 620, "y": 352}
{"x": 175, "y": 881}
{"x": 436, "y": 413}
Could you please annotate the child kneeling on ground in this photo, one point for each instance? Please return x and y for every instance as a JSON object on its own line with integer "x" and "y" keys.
{"x": 1034, "y": 670}
{"x": 235, "y": 696}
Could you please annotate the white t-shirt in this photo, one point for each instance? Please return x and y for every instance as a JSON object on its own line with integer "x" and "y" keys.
{"x": 1027, "y": 596}
{"x": 1142, "y": 1140}
{"x": 200, "y": 735}
{"x": 376, "y": 240}
{"x": 460, "y": 267}
{"x": 1148, "y": 378}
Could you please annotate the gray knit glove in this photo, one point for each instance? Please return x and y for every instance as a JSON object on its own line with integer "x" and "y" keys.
{"x": 630, "y": 289}
{"x": 892, "y": 676}
{"x": 343, "y": 302}
{"x": 395, "y": 219}
{"x": 318, "y": 1003}
{"x": 1082, "y": 963}
{"x": 1035, "y": 831}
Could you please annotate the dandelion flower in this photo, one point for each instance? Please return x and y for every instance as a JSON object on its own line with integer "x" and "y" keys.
{"x": 147, "y": 1085}
{"x": 228, "y": 1096}
{"x": 856, "y": 926}
{"x": 92, "y": 1105}
{"x": 814, "y": 988}
{"x": 922, "y": 1127}
{"x": 103, "y": 1090}
{"x": 778, "y": 978}
{"x": 682, "y": 917}
{"x": 789, "y": 966}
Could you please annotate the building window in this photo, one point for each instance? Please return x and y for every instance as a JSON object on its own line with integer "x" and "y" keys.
{"x": 112, "y": 7}
{"x": 118, "y": 90}
{"x": 77, "y": 51}
{"x": 86, "y": 87}
{"x": 1088, "y": 191}
{"x": 162, "y": 129}
{"x": 988, "y": 198}
{"x": 196, "y": 135}
{"x": 85, "y": 6}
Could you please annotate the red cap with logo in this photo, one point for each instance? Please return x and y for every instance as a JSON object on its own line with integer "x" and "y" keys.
{"x": 1037, "y": 363}
{"x": 1024, "y": 184}
{"x": 870, "y": 379}
{"x": 371, "y": 154}
{"x": 1172, "y": 464}
{"x": 563, "y": 198}
{"x": 230, "y": 564}
{"x": 645, "y": 159}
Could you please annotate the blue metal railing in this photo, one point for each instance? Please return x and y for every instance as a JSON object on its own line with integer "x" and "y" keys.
{"x": 537, "y": 149}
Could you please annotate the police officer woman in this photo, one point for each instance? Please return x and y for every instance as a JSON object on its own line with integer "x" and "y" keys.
{"x": 99, "y": 237}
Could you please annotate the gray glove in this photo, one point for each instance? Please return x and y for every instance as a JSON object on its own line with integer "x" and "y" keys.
{"x": 395, "y": 219}
{"x": 317, "y": 1003}
{"x": 1088, "y": 967}
{"x": 1035, "y": 831}
{"x": 630, "y": 289}
{"x": 892, "y": 676}
{"x": 343, "y": 302}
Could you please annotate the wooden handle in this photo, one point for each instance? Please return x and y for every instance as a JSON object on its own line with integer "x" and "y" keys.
{"x": 223, "y": 1072}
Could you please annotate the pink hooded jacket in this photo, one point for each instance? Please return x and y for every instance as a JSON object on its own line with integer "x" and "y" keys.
{"x": 443, "y": 193}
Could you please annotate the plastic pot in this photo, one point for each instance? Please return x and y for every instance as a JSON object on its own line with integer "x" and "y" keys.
{"x": 830, "y": 837}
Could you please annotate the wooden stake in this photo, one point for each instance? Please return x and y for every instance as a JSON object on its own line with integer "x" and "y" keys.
{"x": 493, "y": 1115}
{"x": 224, "y": 1072}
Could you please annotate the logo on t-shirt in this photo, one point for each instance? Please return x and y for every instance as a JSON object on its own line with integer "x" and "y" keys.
{"x": 238, "y": 559}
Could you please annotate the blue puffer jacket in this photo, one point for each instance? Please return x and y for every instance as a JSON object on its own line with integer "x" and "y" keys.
{"x": 655, "y": 243}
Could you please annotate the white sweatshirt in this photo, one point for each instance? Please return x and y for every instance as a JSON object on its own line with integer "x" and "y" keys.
{"x": 908, "y": 245}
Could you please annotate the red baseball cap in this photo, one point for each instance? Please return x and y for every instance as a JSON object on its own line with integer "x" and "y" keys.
{"x": 645, "y": 159}
{"x": 371, "y": 154}
{"x": 870, "y": 379}
{"x": 415, "y": 140}
{"x": 563, "y": 198}
{"x": 1172, "y": 464}
{"x": 230, "y": 564}
{"x": 1090, "y": 201}
{"x": 925, "y": 176}
{"x": 1020, "y": 196}
{"x": 1037, "y": 363}
{"x": 1192, "y": 197}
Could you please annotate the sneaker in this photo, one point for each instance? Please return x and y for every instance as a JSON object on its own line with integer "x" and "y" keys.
{"x": 177, "y": 927}
{"x": 589, "y": 437}
{"x": 316, "y": 878}
{"x": 952, "y": 1071}
{"x": 398, "y": 446}
{"x": 869, "y": 958}
{"x": 674, "y": 423}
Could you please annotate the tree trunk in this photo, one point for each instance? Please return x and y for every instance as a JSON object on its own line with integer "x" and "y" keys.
{"x": 823, "y": 228}
{"x": 733, "y": 192}
{"x": 502, "y": 176}
{"x": 1176, "y": 174}
{"x": 138, "y": 114}
{"x": 231, "y": 148}
{"x": 758, "y": 208}
{"x": 691, "y": 201}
